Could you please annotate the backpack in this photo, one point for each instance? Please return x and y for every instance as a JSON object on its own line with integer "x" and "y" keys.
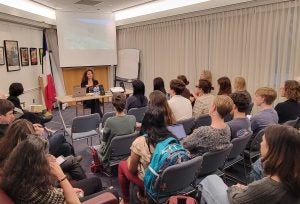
{"x": 181, "y": 199}
{"x": 167, "y": 153}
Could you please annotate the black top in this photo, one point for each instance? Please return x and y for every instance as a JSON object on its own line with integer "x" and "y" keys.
{"x": 288, "y": 110}
{"x": 136, "y": 101}
{"x": 3, "y": 128}
{"x": 16, "y": 101}
{"x": 89, "y": 89}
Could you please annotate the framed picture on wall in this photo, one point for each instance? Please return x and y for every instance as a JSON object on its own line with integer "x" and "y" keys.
{"x": 24, "y": 56}
{"x": 33, "y": 56}
{"x": 12, "y": 55}
{"x": 2, "y": 56}
{"x": 41, "y": 55}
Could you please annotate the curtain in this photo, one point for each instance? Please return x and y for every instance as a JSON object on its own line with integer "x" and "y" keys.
{"x": 260, "y": 43}
{"x": 52, "y": 43}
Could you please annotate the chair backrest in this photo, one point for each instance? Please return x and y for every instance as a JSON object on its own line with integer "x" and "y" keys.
{"x": 106, "y": 116}
{"x": 185, "y": 173}
{"x": 120, "y": 145}
{"x": 202, "y": 120}
{"x": 239, "y": 144}
{"x": 188, "y": 125}
{"x": 214, "y": 160}
{"x": 255, "y": 143}
{"x": 292, "y": 122}
{"x": 138, "y": 113}
{"x": 248, "y": 112}
{"x": 85, "y": 123}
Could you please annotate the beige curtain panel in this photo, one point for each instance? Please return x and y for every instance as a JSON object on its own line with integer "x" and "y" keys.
{"x": 260, "y": 42}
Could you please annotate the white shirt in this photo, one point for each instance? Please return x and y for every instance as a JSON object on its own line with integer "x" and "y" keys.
{"x": 181, "y": 107}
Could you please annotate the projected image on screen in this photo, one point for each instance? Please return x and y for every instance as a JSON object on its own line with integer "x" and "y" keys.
{"x": 86, "y": 39}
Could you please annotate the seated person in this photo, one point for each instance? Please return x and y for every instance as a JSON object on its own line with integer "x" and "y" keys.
{"x": 15, "y": 90}
{"x": 280, "y": 156}
{"x": 202, "y": 97}
{"x": 30, "y": 173}
{"x": 18, "y": 131}
{"x": 133, "y": 169}
{"x": 121, "y": 124}
{"x": 186, "y": 92}
{"x": 213, "y": 137}
{"x": 89, "y": 82}
{"x": 58, "y": 143}
{"x": 239, "y": 85}
{"x": 158, "y": 100}
{"x": 264, "y": 98}
{"x": 159, "y": 85}
{"x": 224, "y": 86}
{"x": 180, "y": 106}
{"x": 289, "y": 109}
{"x": 138, "y": 98}
{"x": 239, "y": 122}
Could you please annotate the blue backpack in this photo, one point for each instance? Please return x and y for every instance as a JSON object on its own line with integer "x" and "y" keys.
{"x": 167, "y": 153}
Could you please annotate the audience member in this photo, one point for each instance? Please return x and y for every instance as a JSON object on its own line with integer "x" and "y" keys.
{"x": 213, "y": 137}
{"x": 17, "y": 89}
{"x": 90, "y": 82}
{"x": 121, "y": 124}
{"x": 30, "y": 173}
{"x": 158, "y": 100}
{"x": 18, "y": 131}
{"x": 280, "y": 156}
{"x": 206, "y": 75}
{"x": 154, "y": 130}
{"x": 224, "y": 86}
{"x": 240, "y": 122}
{"x": 289, "y": 109}
{"x": 264, "y": 98}
{"x": 6, "y": 115}
{"x": 138, "y": 99}
{"x": 240, "y": 86}
{"x": 158, "y": 84}
{"x": 186, "y": 92}
{"x": 204, "y": 99}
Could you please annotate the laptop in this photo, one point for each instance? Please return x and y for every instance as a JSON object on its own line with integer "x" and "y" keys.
{"x": 177, "y": 130}
{"x": 79, "y": 91}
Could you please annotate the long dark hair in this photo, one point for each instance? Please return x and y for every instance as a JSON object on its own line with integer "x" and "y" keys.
{"x": 16, "y": 132}
{"x": 225, "y": 86}
{"x": 139, "y": 90}
{"x": 282, "y": 158}
{"x": 154, "y": 126}
{"x": 84, "y": 79}
{"x": 158, "y": 84}
{"x": 27, "y": 168}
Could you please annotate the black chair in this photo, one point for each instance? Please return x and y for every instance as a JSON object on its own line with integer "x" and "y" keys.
{"x": 188, "y": 125}
{"x": 202, "y": 120}
{"x": 176, "y": 178}
{"x": 239, "y": 145}
{"x": 212, "y": 161}
{"x": 253, "y": 152}
{"x": 106, "y": 116}
{"x": 292, "y": 122}
{"x": 138, "y": 113}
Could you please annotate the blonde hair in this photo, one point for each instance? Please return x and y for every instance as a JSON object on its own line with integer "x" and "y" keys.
{"x": 269, "y": 94}
{"x": 224, "y": 105}
{"x": 206, "y": 74}
{"x": 239, "y": 83}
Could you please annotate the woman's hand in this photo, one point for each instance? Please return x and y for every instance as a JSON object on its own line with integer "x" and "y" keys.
{"x": 38, "y": 128}
{"x": 55, "y": 168}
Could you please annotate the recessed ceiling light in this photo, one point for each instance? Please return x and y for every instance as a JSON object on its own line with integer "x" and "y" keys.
{"x": 154, "y": 7}
{"x": 31, "y": 7}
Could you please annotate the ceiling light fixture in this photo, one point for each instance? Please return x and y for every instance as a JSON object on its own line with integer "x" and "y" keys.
{"x": 154, "y": 7}
{"x": 30, "y": 7}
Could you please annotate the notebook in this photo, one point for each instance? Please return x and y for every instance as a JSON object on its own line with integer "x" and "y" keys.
{"x": 177, "y": 130}
{"x": 79, "y": 91}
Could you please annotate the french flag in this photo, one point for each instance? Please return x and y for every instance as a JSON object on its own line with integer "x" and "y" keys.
{"x": 48, "y": 82}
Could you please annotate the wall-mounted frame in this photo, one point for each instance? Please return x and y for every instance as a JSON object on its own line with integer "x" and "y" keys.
{"x": 2, "y": 61}
{"x": 12, "y": 55}
{"x": 41, "y": 55}
{"x": 24, "y": 56}
{"x": 33, "y": 56}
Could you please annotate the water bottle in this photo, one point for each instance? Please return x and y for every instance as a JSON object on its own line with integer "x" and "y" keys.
{"x": 96, "y": 90}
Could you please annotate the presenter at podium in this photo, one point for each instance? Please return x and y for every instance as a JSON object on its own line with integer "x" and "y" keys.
{"x": 90, "y": 83}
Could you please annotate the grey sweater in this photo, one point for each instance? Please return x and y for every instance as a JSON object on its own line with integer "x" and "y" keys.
{"x": 264, "y": 191}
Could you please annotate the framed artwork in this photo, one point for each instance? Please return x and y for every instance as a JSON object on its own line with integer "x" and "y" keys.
{"x": 2, "y": 56}
{"x": 24, "y": 56}
{"x": 12, "y": 55}
{"x": 41, "y": 55}
{"x": 33, "y": 56}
